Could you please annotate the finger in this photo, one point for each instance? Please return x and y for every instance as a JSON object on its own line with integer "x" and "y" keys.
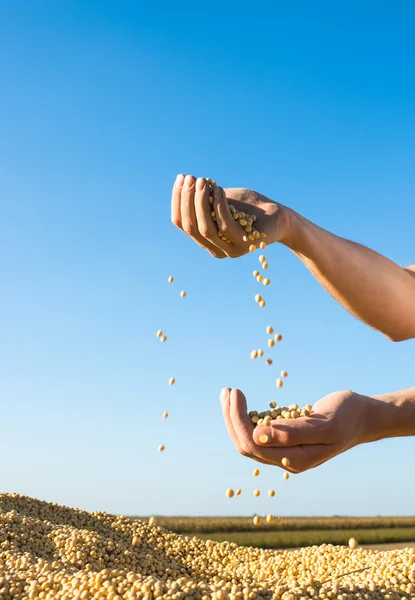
{"x": 303, "y": 458}
{"x": 226, "y": 405}
{"x": 295, "y": 432}
{"x": 225, "y": 220}
{"x": 225, "y": 402}
{"x": 244, "y": 430}
{"x": 175, "y": 201}
{"x": 206, "y": 226}
{"x": 187, "y": 212}
{"x": 188, "y": 215}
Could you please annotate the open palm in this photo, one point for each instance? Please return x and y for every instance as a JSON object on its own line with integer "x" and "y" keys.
{"x": 339, "y": 421}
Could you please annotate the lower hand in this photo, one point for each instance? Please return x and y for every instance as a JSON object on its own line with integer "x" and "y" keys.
{"x": 339, "y": 421}
{"x": 190, "y": 212}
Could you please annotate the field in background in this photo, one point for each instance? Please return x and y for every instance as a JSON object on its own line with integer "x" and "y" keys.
{"x": 295, "y": 531}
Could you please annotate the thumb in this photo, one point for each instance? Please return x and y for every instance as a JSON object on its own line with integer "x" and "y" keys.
{"x": 315, "y": 429}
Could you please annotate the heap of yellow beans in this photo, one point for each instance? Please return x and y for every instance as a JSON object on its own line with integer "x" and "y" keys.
{"x": 52, "y": 552}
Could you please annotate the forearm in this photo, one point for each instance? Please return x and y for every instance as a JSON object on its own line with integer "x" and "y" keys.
{"x": 391, "y": 415}
{"x": 370, "y": 286}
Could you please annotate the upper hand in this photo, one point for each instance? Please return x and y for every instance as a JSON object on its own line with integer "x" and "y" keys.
{"x": 190, "y": 211}
{"x": 339, "y": 421}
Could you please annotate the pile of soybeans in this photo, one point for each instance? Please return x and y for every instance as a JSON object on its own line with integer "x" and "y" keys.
{"x": 53, "y": 552}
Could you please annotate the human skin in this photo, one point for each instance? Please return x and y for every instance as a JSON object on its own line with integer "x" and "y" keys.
{"x": 339, "y": 422}
{"x": 371, "y": 287}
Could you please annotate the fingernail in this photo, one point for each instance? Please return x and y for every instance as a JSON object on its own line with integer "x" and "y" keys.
{"x": 188, "y": 182}
{"x": 179, "y": 180}
{"x": 223, "y": 393}
{"x": 200, "y": 184}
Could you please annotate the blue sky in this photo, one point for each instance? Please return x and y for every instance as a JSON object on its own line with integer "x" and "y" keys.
{"x": 102, "y": 104}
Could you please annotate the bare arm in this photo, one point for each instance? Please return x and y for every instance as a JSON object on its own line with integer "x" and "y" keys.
{"x": 396, "y": 417}
{"x": 370, "y": 286}
{"x": 338, "y": 422}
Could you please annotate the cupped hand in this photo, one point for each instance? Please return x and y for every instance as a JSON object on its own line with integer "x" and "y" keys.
{"x": 339, "y": 421}
{"x": 191, "y": 212}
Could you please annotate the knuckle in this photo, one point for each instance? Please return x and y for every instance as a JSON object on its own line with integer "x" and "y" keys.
{"x": 285, "y": 437}
{"x": 245, "y": 450}
{"x": 215, "y": 254}
{"x": 204, "y": 231}
{"x": 301, "y": 465}
{"x": 299, "y": 469}
{"x": 176, "y": 221}
{"x": 189, "y": 229}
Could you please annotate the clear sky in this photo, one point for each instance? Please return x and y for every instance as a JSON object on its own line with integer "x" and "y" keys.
{"x": 101, "y": 105}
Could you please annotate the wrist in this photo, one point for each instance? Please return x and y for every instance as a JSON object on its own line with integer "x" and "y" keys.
{"x": 297, "y": 230}
{"x": 391, "y": 415}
